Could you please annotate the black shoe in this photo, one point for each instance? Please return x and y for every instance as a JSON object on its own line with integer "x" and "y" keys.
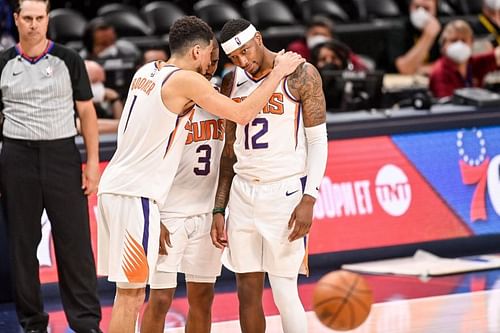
{"x": 41, "y": 330}
{"x": 95, "y": 331}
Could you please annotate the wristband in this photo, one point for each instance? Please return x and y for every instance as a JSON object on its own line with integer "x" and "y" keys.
{"x": 219, "y": 210}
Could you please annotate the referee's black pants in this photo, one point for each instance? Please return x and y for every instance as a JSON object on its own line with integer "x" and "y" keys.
{"x": 47, "y": 174}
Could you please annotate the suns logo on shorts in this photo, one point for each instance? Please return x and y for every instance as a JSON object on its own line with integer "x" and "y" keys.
{"x": 135, "y": 263}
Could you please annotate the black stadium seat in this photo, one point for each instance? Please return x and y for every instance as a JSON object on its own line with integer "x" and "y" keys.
{"x": 66, "y": 25}
{"x": 215, "y": 12}
{"x": 328, "y": 8}
{"x": 160, "y": 15}
{"x": 382, "y": 8}
{"x": 127, "y": 24}
{"x": 268, "y": 13}
{"x": 115, "y": 7}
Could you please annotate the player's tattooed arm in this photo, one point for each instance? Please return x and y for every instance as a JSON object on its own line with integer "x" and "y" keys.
{"x": 228, "y": 158}
{"x": 305, "y": 85}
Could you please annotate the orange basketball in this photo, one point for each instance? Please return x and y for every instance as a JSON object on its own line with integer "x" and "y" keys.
{"x": 342, "y": 300}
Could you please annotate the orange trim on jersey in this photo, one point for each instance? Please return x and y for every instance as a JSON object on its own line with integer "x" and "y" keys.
{"x": 135, "y": 263}
{"x": 287, "y": 92}
{"x": 174, "y": 132}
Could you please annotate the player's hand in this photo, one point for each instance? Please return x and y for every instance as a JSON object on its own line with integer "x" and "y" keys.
{"x": 218, "y": 232}
{"x": 287, "y": 62}
{"x": 90, "y": 178}
{"x": 301, "y": 218}
{"x": 164, "y": 239}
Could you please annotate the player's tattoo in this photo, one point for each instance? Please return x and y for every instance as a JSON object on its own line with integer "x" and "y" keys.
{"x": 228, "y": 158}
{"x": 306, "y": 85}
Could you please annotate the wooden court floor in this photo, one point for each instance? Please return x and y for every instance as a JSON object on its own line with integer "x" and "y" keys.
{"x": 467, "y": 303}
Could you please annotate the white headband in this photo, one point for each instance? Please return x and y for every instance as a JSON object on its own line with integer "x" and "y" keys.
{"x": 237, "y": 41}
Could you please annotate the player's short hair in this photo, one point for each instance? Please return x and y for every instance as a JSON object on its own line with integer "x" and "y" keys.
{"x": 187, "y": 32}
{"x": 232, "y": 28}
{"x": 19, "y": 3}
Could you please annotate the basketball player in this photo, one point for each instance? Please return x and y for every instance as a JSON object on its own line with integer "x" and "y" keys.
{"x": 151, "y": 137}
{"x": 270, "y": 200}
{"x": 188, "y": 219}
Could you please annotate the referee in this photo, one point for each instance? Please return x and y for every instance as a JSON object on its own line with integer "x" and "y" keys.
{"x": 40, "y": 168}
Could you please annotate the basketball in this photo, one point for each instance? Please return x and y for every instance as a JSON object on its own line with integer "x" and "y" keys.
{"x": 342, "y": 300}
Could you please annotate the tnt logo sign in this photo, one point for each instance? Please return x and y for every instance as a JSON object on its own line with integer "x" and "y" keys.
{"x": 393, "y": 190}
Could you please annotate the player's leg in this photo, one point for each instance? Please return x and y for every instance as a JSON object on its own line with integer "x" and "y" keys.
{"x": 201, "y": 264}
{"x": 250, "y": 288}
{"x": 163, "y": 280}
{"x": 153, "y": 320}
{"x": 200, "y": 298}
{"x": 286, "y": 298}
{"x": 128, "y": 302}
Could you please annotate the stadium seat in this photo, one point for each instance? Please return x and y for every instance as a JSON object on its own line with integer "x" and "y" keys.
{"x": 160, "y": 15}
{"x": 472, "y": 6}
{"x": 115, "y": 7}
{"x": 127, "y": 24}
{"x": 329, "y": 8}
{"x": 382, "y": 8}
{"x": 66, "y": 25}
{"x": 215, "y": 12}
{"x": 268, "y": 13}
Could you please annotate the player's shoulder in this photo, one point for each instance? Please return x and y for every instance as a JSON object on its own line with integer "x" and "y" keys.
{"x": 304, "y": 69}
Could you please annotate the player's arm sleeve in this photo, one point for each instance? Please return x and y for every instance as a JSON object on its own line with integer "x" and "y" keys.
{"x": 317, "y": 154}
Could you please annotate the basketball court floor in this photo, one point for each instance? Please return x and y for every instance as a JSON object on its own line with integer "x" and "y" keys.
{"x": 465, "y": 303}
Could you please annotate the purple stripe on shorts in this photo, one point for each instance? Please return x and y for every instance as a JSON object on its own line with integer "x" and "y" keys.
{"x": 145, "y": 234}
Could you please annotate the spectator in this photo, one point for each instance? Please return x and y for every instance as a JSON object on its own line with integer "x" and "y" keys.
{"x": 321, "y": 29}
{"x": 457, "y": 68}
{"x": 414, "y": 51}
{"x": 43, "y": 84}
{"x": 334, "y": 55}
{"x": 100, "y": 43}
{"x": 489, "y": 24}
{"x": 154, "y": 54}
{"x": 6, "y": 35}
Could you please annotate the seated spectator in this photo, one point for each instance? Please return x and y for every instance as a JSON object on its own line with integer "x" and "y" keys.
{"x": 457, "y": 68}
{"x": 6, "y": 25}
{"x": 334, "y": 55}
{"x": 488, "y": 25}
{"x": 100, "y": 43}
{"x": 107, "y": 102}
{"x": 154, "y": 54}
{"x": 414, "y": 51}
{"x": 319, "y": 30}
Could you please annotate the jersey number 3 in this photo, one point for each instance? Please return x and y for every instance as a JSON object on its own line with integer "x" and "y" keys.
{"x": 204, "y": 160}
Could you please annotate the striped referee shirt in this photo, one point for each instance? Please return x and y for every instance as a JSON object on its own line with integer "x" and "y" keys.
{"x": 38, "y": 94}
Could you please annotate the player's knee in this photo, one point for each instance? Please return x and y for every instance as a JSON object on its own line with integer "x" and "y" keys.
{"x": 200, "y": 296}
{"x": 131, "y": 298}
{"x": 161, "y": 299}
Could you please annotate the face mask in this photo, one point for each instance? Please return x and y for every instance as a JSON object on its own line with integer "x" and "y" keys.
{"x": 331, "y": 67}
{"x": 98, "y": 91}
{"x": 419, "y": 18}
{"x": 316, "y": 40}
{"x": 459, "y": 52}
{"x": 110, "y": 51}
{"x": 492, "y": 4}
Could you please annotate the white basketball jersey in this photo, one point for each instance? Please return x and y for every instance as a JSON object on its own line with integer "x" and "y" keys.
{"x": 195, "y": 184}
{"x": 272, "y": 146}
{"x": 150, "y": 140}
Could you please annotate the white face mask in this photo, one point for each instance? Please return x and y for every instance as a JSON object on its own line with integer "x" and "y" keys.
{"x": 459, "y": 52}
{"x": 98, "y": 91}
{"x": 316, "y": 40}
{"x": 419, "y": 18}
{"x": 492, "y": 4}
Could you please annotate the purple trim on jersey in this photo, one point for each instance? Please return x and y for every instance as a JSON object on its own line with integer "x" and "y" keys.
{"x": 297, "y": 126}
{"x": 303, "y": 181}
{"x": 145, "y": 234}
{"x": 33, "y": 61}
{"x": 287, "y": 92}
{"x": 170, "y": 74}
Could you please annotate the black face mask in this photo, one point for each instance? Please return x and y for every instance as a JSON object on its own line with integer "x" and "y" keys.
{"x": 331, "y": 67}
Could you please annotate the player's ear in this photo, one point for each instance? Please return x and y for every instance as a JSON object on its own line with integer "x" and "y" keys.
{"x": 195, "y": 52}
{"x": 258, "y": 38}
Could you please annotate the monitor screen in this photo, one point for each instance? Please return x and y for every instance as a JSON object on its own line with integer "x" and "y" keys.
{"x": 350, "y": 91}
